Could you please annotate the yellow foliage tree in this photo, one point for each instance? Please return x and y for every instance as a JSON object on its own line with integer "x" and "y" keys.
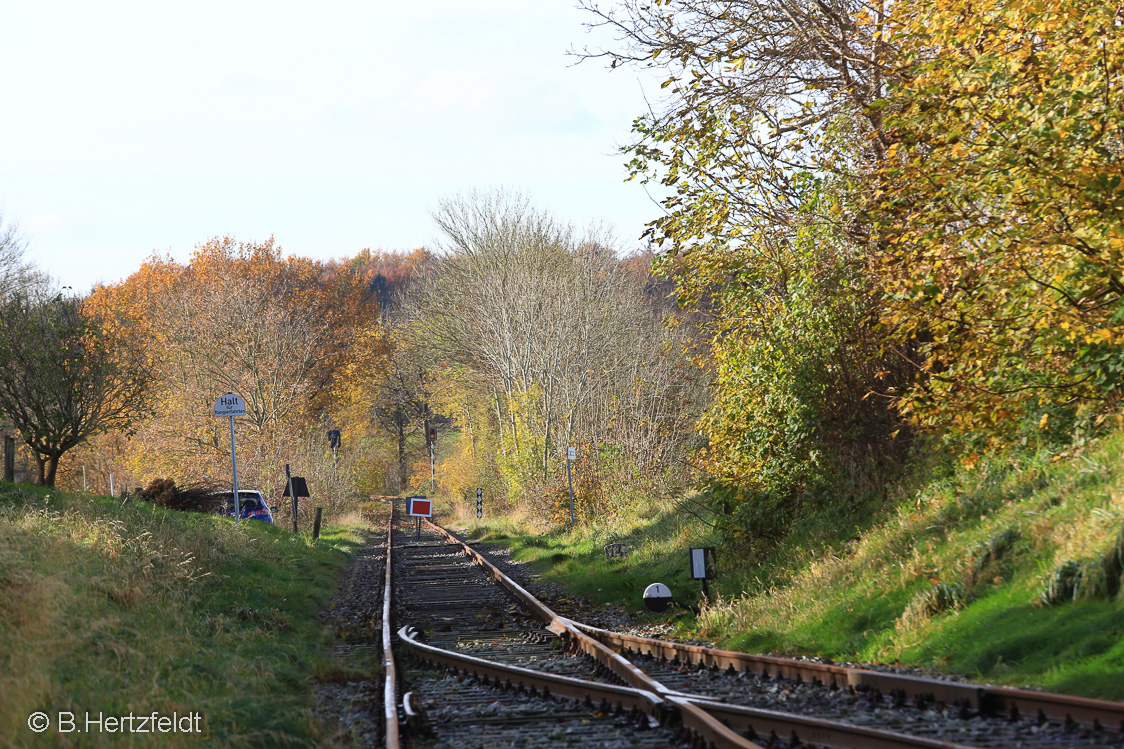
{"x": 1001, "y": 209}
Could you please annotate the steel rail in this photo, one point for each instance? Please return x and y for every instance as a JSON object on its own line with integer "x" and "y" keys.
{"x": 390, "y": 681}
{"x": 819, "y": 731}
{"x": 536, "y": 681}
{"x": 984, "y": 698}
{"x": 696, "y": 719}
{"x": 754, "y": 721}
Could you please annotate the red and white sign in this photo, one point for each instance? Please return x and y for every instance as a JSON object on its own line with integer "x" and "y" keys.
{"x": 420, "y": 507}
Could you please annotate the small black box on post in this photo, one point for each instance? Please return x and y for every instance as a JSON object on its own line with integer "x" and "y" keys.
{"x": 300, "y": 488}
{"x": 704, "y": 566}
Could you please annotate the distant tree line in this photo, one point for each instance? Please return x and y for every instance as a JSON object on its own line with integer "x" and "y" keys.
{"x": 517, "y": 337}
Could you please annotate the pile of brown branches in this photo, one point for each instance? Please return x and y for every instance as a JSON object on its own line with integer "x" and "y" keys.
{"x": 196, "y": 497}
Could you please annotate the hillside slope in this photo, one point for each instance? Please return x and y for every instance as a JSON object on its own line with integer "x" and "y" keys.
{"x": 1010, "y": 572}
{"x": 110, "y": 611}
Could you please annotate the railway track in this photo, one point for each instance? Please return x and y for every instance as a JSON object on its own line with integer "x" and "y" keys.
{"x": 490, "y": 665}
{"x": 486, "y": 673}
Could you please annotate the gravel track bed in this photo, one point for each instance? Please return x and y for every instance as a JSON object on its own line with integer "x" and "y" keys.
{"x": 456, "y": 607}
{"x": 947, "y": 723}
{"x": 466, "y": 715}
{"x": 351, "y": 707}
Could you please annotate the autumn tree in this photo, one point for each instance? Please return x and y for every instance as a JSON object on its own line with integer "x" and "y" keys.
{"x": 550, "y": 322}
{"x": 64, "y": 379}
{"x": 754, "y": 96}
{"x": 16, "y": 273}
{"x": 1000, "y": 210}
{"x": 768, "y": 117}
{"x": 381, "y": 391}
{"x": 387, "y": 274}
{"x": 243, "y": 318}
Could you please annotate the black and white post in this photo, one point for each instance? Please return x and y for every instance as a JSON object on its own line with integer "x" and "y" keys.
{"x": 231, "y": 405}
{"x": 571, "y": 454}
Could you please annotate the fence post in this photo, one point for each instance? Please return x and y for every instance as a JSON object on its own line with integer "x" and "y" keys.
{"x": 292, "y": 495}
{"x": 316, "y": 524}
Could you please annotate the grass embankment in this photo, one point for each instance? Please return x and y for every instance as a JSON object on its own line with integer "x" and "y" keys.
{"x": 138, "y": 609}
{"x": 1008, "y": 573}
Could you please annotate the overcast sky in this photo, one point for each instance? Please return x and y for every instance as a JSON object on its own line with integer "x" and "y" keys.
{"x": 130, "y": 127}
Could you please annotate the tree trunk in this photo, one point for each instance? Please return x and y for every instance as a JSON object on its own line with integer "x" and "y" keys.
{"x": 546, "y": 448}
{"x": 471, "y": 433}
{"x": 401, "y": 455}
{"x": 499, "y": 420}
{"x": 48, "y": 467}
{"x": 52, "y": 469}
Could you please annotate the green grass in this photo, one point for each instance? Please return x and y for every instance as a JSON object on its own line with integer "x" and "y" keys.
{"x": 138, "y": 609}
{"x": 657, "y": 538}
{"x": 859, "y": 582}
{"x": 1075, "y": 648}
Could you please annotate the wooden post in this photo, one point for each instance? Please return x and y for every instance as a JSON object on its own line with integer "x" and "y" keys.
{"x": 9, "y": 458}
{"x": 292, "y": 495}
{"x": 316, "y": 524}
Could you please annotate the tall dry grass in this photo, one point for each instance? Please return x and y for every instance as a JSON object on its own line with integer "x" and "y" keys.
{"x": 136, "y": 608}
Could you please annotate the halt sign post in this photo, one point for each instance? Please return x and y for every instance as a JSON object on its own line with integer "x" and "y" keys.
{"x": 231, "y": 405}
{"x": 420, "y": 507}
